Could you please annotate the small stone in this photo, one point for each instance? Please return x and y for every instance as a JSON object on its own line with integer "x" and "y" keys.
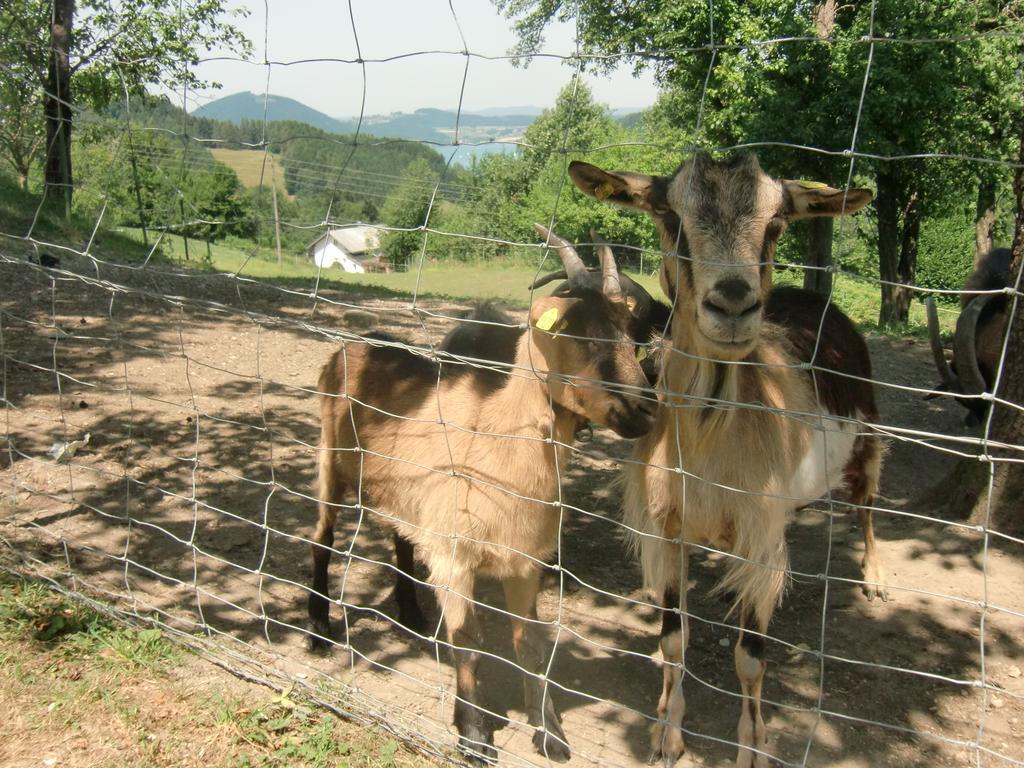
{"x": 799, "y": 649}
{"x": 724, "y": 642}
{"x": 1013, "y": 721}
{"x": 996, "y": 703}
{"x": 1013, "y": 671}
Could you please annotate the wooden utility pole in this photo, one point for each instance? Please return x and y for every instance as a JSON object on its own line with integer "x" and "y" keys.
{"x": 277, "y": 221}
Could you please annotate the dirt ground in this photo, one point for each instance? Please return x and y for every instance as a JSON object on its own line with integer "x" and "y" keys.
{"x": 192, "y": 497}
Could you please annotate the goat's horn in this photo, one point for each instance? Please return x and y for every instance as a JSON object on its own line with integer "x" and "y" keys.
{"x": 575, "y": 269}
{"x": 545, "y": 279}
{"x": 609, "y": 272}
{"x": 938, "y": 354}
{"x": 965, "y": 350}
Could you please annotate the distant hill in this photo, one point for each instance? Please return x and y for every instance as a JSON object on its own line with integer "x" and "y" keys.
{"x": 504, "y": 111}
{"x": 435, "y": 125}
{"x": 250, "y": 106}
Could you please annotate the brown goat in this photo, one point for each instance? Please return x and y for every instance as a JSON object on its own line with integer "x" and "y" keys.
{"x": 747, "y": 430}
{"x": 979, "y": 336}
{"x": 463, "y": 463}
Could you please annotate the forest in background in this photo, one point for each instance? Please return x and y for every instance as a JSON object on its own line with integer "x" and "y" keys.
{"x": 931, "y": 119}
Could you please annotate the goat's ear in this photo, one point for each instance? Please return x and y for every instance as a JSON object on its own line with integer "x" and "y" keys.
{"x": 808, "y": 199}
{"x": 633, "y": 190}
{"x": 549, "y": 314}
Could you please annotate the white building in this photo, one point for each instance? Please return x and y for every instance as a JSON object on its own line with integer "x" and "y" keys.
{"x": 354, "y": 249}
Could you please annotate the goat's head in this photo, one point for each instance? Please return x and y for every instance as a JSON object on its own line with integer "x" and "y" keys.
{"x": 722, "y": 220}
{"x": 587, "y": 343}
{"x": 650, "y": 316}
{"x": 978, "y": 339}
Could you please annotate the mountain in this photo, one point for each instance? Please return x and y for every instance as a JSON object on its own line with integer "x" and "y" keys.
{"x": 434, "y": 125}
{"x": 505, "y": 111}
{"x": 250, "y": 106}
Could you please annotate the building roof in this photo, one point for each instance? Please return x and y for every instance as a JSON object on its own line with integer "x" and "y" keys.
{"x": 356, "y": 240}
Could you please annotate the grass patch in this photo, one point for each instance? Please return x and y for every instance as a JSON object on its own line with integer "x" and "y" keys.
{"x": 68, "y": 630}
{"x": 249, "y": 166}
{"x": 507, "y": 283}
{"x": 82, "y": 690}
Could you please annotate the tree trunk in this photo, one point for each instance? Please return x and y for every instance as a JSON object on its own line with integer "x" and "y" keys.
{"x": 57, "y": 106}
{"x": 897, "y": 251}
{"x": 819, "y": 255}
{"x": 907, "y": 269}
{"x": 984, "y": 219}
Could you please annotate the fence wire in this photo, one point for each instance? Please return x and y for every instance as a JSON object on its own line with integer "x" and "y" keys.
{"x": 182, "y": 402}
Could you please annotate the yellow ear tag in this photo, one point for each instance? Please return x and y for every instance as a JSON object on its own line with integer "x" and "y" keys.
{"x": 641, "y": 353}
{"x": 604, "y": 190}
{"x": 811, "y": 184}
{"x": 630, "y": 303}
{"x": 547, "y": 320}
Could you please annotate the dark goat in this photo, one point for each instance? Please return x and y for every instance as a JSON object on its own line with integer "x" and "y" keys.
{"x": 979, "y": 335}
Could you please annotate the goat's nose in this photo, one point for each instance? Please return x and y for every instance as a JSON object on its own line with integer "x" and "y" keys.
{"x": 732, "y": 297}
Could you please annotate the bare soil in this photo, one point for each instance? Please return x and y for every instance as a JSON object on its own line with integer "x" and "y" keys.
{"x": 195, "y": 491}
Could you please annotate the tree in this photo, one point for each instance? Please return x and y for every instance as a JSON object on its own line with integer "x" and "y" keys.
{"x": 516, "y": 191}
{"x": 805, "y": 90}
{"x": 21, "y": 115}
{"x": 101, "y": 50}
{"x": 406, "y": 208}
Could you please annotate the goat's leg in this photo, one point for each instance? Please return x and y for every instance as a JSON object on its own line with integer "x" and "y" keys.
{"x": 863, "y": 480}
{"x": 667, "y": 733}
{"x": 872, "y": 568}
{"x": 455, "y": 596}
{"x": 750, "y": 668}
{"x": 529, "y": 643}
{"x": 409, "y": 613}
{"x": 332, "y": 494}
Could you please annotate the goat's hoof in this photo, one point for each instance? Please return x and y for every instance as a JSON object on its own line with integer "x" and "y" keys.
{"x": 318, "y": 640}
{"x": 667, "y": 743}
{"x": 871, "y": 591}
{"x": 552, "y": 745}
{"x": 479, "y": 748}
{"x": 874, "y": 585}
{"x": 748, "y": 759}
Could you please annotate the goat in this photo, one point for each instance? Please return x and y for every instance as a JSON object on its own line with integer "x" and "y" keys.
{"x": 490, "y": 334}
{"x": 463, "y": 464}
{"x": 746, "y": 431}
{"x": 979, "y": 335}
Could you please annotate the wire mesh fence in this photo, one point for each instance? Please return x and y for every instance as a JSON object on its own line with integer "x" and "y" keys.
{"x": 163, "y": 434}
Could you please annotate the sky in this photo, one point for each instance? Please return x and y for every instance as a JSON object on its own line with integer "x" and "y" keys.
{"x": 298, "y": 34}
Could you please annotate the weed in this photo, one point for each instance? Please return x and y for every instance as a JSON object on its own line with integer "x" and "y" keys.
{"x": 130, "y": 697}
